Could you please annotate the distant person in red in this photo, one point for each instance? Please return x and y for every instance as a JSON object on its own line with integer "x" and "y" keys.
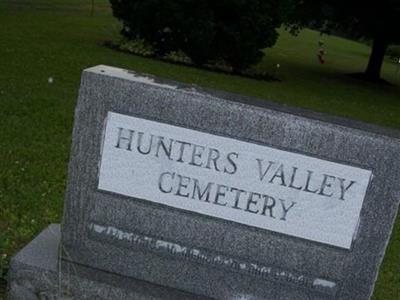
{"x": 321, "y": 52}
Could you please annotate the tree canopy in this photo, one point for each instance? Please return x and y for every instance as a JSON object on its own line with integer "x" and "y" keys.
{"x": 233, "y": 31}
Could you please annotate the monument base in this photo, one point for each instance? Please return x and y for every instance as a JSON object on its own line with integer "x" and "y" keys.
{"x": 37, "y": 273}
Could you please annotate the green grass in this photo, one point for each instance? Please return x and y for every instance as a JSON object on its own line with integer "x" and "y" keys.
{"x": 58, "y": 38}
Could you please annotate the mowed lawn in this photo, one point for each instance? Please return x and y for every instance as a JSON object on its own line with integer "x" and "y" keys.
{"x": 40, "y": 39}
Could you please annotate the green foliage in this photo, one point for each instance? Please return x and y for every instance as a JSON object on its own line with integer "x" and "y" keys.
{"x": 393, "y": 51}
{"x": 235, "y": 31}
{"x": 137, "y": 46}
{"x": 178, "y": 57}
{"x": 357, "y": 19}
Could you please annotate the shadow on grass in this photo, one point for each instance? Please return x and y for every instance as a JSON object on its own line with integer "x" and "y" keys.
{"x": 263, "y": 76}
{"x": 376, "y": 81}
{"x": 329, "y": 74}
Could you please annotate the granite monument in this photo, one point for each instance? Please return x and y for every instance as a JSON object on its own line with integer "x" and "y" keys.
{"x": 176, "y": 192}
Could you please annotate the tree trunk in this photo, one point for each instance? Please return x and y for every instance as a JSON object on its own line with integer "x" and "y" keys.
{"x": 92, "y": 9}
{"x": 379, "y": 47}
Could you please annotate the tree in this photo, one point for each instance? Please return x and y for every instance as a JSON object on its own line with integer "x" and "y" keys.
{"x": 207, "y": 31}
{"x": 371, "y": 20}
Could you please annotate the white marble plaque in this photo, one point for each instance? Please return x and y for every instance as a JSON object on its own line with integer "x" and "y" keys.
{"x": 243, "y": 182}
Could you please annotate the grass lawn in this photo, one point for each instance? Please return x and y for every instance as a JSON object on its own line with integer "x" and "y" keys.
{"x": 58, "y": 38}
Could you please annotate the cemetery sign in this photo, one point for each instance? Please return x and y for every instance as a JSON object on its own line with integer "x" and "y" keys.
{"x": 177, "y": 192}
